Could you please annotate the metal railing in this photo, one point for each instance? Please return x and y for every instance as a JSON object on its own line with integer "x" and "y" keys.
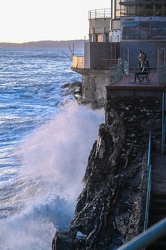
{"x": 99, "y": 13}
{"x": 141, "y": 13}
{"x": 161, "y": 73}
{"x": 163, "y": 135}
{"x": 150, "y": 77}
{"x": 146, "y": 238}
{"x": 149, "y": 167}
{"x": 118, "y": 71}
{"x": 134, "y": 76}
{"x": 126, "y": 67}
{"x": 105, "y": 64}
{"x": 101, "y": 64}
{"x": 121, "y": 73}
{"x": 153, "y": 233}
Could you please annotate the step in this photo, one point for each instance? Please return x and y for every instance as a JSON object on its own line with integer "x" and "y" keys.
{"x": 158, "y": 196}
{"x": 158, "y": 202}
{"x": 158, "y": 210}
{"x": 154, "y": 220}
{"x": 160, "y": 244}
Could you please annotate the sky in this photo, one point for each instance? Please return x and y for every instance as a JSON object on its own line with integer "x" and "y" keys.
{"x": 36, "y": 20}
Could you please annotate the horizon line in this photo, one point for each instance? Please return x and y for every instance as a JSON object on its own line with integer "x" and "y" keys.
{"x": 38, "y": 41}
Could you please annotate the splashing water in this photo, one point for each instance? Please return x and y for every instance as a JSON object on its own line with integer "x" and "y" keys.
{"x": 42, "y": 196}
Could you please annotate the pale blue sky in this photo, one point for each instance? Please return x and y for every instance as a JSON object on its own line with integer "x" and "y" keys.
{"x": 35, "y": 20}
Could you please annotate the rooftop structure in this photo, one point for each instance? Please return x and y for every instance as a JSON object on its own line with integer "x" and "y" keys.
{"x": 116, "y": 36}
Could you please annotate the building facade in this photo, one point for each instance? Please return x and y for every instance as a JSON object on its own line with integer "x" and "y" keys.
{"x": 120, "y": 32}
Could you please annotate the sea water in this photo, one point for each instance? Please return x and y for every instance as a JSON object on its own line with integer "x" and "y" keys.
{"x": 45, "y": 141}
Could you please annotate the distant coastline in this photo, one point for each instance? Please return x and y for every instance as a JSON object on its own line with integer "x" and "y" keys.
{"x": 44, "y": 44}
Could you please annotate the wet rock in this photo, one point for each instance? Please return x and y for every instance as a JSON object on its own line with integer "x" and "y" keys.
{"x": 62, "y": 241}
{"x": 74, "y": 88}
{"x": 111, "y": 207}
{"x": 105, "y": 206}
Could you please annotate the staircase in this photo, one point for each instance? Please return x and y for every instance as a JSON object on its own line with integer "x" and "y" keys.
{"x": 157, "y": 209}
{"x": 157, "y": 212}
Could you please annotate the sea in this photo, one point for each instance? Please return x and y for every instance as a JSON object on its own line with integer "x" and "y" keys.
{"x": 45, "y": 140}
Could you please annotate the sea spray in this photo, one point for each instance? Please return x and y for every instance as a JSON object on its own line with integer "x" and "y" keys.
{"x": 52, "y": 164}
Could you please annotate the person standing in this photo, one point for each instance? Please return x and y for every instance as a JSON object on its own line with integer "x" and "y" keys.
{"x": 141, "y": 59}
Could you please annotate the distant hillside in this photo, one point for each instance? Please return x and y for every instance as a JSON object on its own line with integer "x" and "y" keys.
{"x": 45, "y": 44}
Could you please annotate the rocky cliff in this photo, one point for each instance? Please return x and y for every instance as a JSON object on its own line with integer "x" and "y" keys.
{"x": 110, "y": 209}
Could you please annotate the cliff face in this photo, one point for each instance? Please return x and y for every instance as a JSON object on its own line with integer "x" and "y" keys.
{"x": 110, "y": 208}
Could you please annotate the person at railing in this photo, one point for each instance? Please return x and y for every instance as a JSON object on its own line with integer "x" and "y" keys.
{"x": 141, "y": 59}
{"x": 144, "y": 73}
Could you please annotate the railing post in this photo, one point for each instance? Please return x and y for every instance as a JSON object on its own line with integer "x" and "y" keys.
{"x": 149, "y": 183}
{"x": 163, "y": 123}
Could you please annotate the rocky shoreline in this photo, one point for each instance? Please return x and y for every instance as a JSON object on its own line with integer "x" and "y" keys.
{"x": 111, "y": 207}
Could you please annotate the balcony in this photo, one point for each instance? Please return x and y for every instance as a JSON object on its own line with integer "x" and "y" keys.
{"x": 99, "y": 13}
{"x": 99, "y": 64}
{"x": 122, "y": 75}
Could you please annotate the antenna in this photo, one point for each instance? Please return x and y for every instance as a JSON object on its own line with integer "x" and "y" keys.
{"x": 72, "y": 51}
{"x": 67, "y": 55}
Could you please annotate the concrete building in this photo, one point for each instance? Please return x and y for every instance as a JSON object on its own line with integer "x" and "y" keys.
{"x": 116, "y": 35}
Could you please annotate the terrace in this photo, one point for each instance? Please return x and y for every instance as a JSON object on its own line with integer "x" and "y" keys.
{"x": 122, "y": 74}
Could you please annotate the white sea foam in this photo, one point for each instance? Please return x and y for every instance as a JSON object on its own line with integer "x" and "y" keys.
{"x": 53, "y": 161}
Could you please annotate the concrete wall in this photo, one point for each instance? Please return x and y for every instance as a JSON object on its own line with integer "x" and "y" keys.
{"x": 129, "y": 51}
{"x": 96, "y": 54}
{"x": 93, "y": 84}
{"x": 99, "y": 25}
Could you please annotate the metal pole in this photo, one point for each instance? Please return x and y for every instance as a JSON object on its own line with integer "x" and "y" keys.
{"x": 149, "y": 184}
{"x": 146, "y": 238}
{"x": 163, "y": 132}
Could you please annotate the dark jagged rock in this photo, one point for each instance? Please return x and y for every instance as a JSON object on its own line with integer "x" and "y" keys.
{"x": 111, "y": 207}
{"x": 72, "y": 85}
{"x": 63, "y": 241}
{"x": 105, "y": 206}
{"x": 72, "y": 88}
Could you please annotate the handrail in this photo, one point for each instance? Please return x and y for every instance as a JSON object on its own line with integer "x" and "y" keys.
{"x": 146, "y": 238}
{"x": 105, "y": 64}
{"x": 132, "y": 77}
{"x": 149, "y": 183}
{"x": 163, "y": 124}
{"x": 161, "y": 73}
{"x": 153, "y": 233}
{"x": 99, "y": 13}
{"x": 164, "y": 133}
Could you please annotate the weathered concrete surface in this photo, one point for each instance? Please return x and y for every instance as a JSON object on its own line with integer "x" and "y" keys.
{"x": 110, "y": 208}
{"x": 93, "y": 84}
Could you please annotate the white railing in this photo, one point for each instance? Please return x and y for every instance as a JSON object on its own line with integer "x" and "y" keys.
{"x": 99, "y": 13}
